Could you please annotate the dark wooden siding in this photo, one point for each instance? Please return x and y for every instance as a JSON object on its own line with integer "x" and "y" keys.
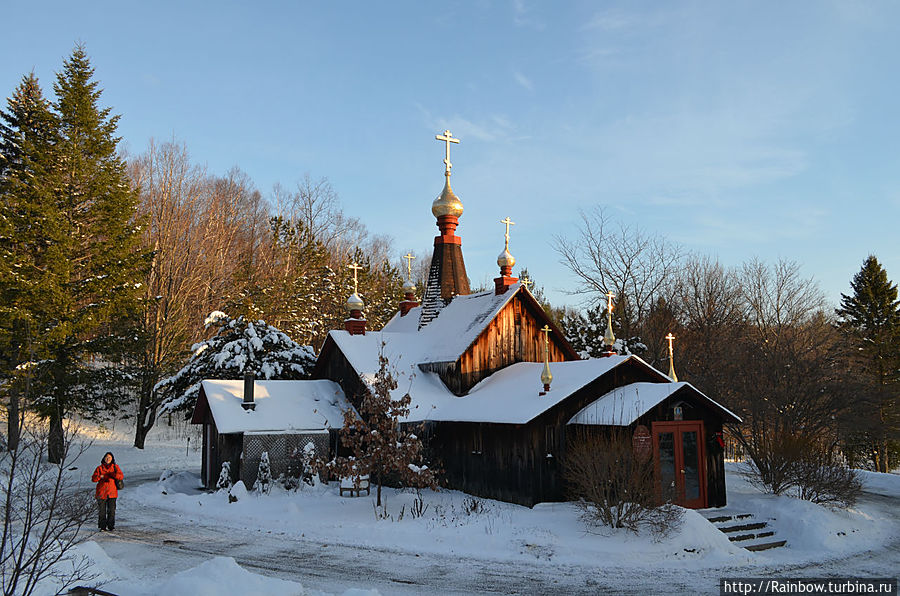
{"x": 512, "y": 336}
{"x": 335, "y": 366}
{"x": 523, "y": 463}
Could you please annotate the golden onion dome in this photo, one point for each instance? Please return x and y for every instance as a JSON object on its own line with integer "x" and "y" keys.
{"x": 506, "y": 259}
{"x": 447, "y": 202}
{"x": 409, "y": 287}
{"x": 354, "y": 302}
{"x": 546, "y": 377}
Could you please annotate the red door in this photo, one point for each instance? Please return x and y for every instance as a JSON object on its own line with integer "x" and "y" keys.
{"x": 679, "y": 459}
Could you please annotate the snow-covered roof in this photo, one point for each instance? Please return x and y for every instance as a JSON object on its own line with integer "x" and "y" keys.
{"x": 457, "y": 325}
{"x": 512, "y": 395}
{"x": 623, "y": 405}
{"x": 280, "y": 405}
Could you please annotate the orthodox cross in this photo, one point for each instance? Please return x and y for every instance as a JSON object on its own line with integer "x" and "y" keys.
{"x": 671, "y": 338}
{"x": 447, "y": 138}
{"x": 355, "y": 266}
{"x": 609, "y": 304}
{"x": 508, "y": 223}
{"x": 409, "y": 259}
{"x": 546, "y": 331}
{"x": 526, "y": 281}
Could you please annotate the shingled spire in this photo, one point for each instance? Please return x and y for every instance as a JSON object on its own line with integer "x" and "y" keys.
{"x": 447, "y": 277}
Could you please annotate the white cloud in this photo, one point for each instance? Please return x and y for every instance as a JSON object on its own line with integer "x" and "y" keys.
{"x": 523, "y": 80}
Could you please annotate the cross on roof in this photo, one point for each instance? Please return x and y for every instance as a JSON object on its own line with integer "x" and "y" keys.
{"x": 355, "y": 266}
{"x": 447, "y": 138}
{"x": 409, "y": 259}
{"x": 508, "y": 223}
{"x": 546, "y": 331}
{"x": 526, "y": 281}
{"x": 609, "y": 301}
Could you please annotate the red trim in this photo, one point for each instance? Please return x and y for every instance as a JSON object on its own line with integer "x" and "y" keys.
{"x": 677, "y": 428}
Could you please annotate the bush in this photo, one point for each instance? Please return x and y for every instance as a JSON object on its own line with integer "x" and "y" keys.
{"x": 806, "y": 467}
{"x": 224, "y": 481}
{"x": 263, "y": 474}
{"x": 613, "y": 487}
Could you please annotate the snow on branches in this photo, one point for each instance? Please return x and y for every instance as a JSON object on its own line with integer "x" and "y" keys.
{"x": 237, "y": 347}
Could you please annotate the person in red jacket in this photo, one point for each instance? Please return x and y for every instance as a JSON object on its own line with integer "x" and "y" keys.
{"x": 106, "y": 475}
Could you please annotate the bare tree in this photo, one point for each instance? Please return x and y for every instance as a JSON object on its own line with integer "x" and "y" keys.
{"x": 789, "y": 383}
{"x": 610, "y": 256}
{"x": 205, "y": 234}
{"x": 43, "y": 513}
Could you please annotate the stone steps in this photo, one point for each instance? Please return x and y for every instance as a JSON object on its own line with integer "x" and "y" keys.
{"x": 744, "y": 530}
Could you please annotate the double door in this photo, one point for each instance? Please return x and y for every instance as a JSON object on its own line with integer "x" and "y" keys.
{"x": 679, "y": 460}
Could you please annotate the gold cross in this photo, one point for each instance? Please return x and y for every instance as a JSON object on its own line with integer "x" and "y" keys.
{"x": 609, "y": 299}
{"x": 546, "y": 331}
{"x": 447, "y": 138}
{"x": 508, "y": 223}
{"x": 355, "y": 266}
{"x": 409, "y": 259}
{"x": 526, "y": 281}
{"x": 671, "y": 338}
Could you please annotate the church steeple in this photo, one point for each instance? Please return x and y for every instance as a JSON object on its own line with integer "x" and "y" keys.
{"x": 447, "y": 276}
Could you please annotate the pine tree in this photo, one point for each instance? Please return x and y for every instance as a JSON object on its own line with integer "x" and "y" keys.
{"x": 97, "y": 269}
{"x": 30, "y": 233}
{"x": 870, "y": 320}
{"x": 238, "y": 346}
{"x": 263, "y": 474}
{"x": 224, "y": 481}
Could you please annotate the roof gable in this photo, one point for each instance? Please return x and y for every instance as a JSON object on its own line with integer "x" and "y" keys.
{"x": 624, "y": 405}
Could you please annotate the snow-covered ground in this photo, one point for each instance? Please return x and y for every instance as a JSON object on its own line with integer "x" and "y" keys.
{"x": 173, "y": 538}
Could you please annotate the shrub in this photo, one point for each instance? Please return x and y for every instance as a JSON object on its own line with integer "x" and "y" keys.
{"x": 613, "y": 487}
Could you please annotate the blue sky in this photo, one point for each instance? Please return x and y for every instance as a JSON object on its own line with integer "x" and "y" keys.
{"x": 738, "y": 129}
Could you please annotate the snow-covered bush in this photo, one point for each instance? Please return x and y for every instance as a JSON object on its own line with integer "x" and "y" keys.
{"x": 263, "y": 475}
{"x": 237, "y": 492}
{"x": 224, "y": 481}
{"x": 238, "y": 346}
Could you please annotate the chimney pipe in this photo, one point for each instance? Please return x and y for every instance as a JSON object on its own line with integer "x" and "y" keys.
{"x": 249, "y": 381}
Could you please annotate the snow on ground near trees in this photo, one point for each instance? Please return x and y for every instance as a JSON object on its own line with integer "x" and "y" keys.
{"x": 453, "y": 524}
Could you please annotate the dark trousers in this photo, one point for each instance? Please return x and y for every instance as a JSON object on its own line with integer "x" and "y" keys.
{"x": 107, "y": 517}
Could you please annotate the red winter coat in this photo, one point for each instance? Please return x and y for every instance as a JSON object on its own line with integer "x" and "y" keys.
{"x": 105, "y": 476}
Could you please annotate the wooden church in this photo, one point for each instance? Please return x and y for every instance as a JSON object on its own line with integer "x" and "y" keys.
{"x": 500, "y": 395}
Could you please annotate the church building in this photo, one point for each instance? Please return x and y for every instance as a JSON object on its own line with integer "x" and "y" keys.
{"x": 501, "y": 396}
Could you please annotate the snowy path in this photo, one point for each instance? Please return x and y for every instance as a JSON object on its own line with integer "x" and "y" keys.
{"x": 166, "y": 541}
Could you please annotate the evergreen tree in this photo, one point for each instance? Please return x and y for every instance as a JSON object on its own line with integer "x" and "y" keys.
{"x": 238, "y": 346}
{"x": 30, "y": 232}
{"x": 97, "y": 269}
{"x": 870, "y": 320}
{"x": 224, "y": 481}
{"x": 263, "y": 474}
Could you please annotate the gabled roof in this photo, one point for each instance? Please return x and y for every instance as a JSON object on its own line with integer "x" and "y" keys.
{"x": 623, "y": 405}
{"x": 462, "y": 321}
{"x": 280, "y": 405}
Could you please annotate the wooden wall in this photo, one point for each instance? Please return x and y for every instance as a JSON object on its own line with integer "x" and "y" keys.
{"x": 524, "y": 463}
{"x": 512, "y": 336}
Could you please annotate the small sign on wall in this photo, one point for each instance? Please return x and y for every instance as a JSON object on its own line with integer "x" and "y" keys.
{"x": 679, "y": 413}
{"x": 642, "y": 442}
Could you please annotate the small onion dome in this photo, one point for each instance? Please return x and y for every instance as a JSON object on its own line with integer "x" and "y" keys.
{"x": 354, "y": 302}
{"x": 447, "y": 203}
{"x": 505, "y": 259}
{"x": 546, "y": 377}
{"x": 409, "y": 287}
